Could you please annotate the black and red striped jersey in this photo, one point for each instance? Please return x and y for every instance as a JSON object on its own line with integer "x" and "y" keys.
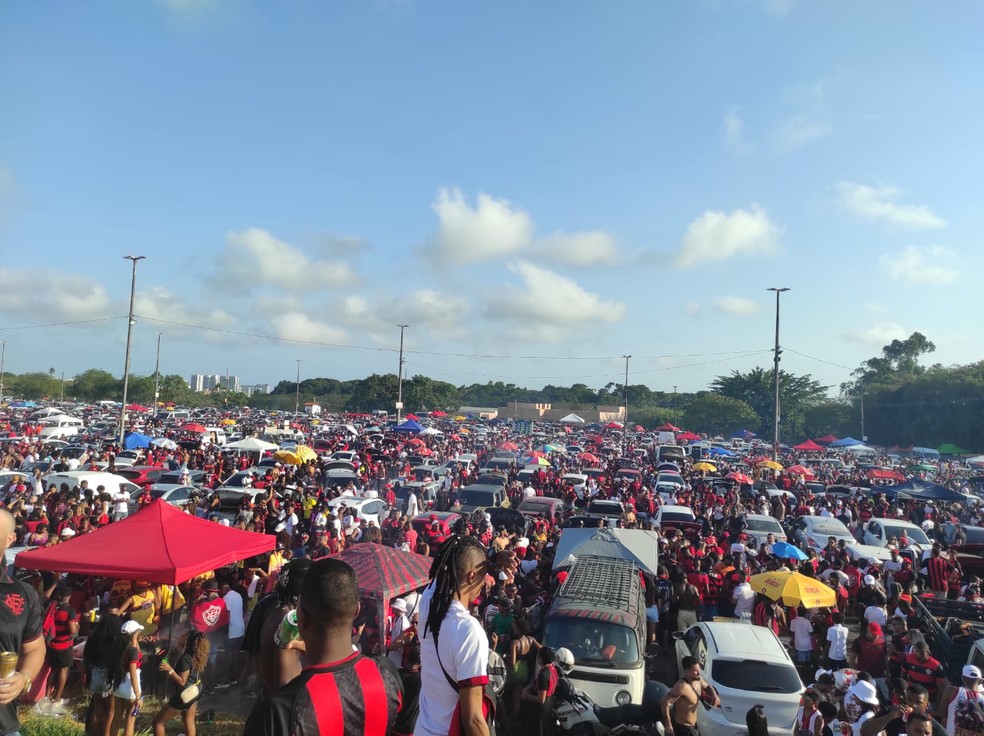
{"x": 358, "y": 696}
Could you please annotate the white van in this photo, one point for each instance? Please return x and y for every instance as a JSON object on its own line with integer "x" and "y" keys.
{"x": 57, "y": 433}
{"x": 111, "y": 482}
{"x": 216, "y": 435}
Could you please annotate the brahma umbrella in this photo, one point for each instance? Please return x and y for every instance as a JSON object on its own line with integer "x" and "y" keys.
{"x": 793, "y": 589}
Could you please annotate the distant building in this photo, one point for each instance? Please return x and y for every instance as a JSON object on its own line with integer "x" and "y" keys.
{"x": 312, "y": 408}
{"x": 256, "y": 388}
{"x": 482, "y": 412}
{"x": 205, "y": 382}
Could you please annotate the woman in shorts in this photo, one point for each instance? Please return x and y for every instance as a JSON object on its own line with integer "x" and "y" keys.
{"x": 186, "y": 675}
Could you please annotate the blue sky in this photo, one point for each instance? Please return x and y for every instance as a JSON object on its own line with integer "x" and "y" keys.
{"x": 536, "y": 188}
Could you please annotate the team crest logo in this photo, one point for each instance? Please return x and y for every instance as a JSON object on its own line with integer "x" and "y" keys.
{"x": 211, "y": 615}
{"x": 15, "y": 602}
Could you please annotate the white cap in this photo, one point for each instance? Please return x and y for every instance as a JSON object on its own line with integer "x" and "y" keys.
{"x": 131, "y": 627}
{"x": 399, "y": 604}
{"x": 865, "y": 692}
{"x": 971, "y": 672}
{"x": 68, "y": 532}
{"x": 869, "y": 579}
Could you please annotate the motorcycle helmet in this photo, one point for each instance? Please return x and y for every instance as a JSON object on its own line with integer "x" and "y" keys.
{"x": 564, "y": 660}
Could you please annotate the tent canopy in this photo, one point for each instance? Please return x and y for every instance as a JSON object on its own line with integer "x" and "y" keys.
{"x": 638, "y": 545}
{"x": 134, "y": 440}
{"x": 809, "y": 446}
{"x": 251, "y": 444}
{"x": 948, "y": 448}
{"x": 846, "y": 442}
{"x": 409, "y": 426}
{"x": 571, "y": 419}
{"x": 923, "y": 489}
{"x": 160, "y": 544}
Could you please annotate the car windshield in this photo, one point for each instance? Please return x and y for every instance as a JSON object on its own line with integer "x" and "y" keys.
{"x": 477, "y": 498}
{"x": 594, "y": 643}
{"x": 676, "y": 516}
{"x": 758, "y": 677}
{"x": 823, "y": 525}
{"x": 914, "y": 534}
{"x": 763, "y": 525}
{"x": 535, "y": 507}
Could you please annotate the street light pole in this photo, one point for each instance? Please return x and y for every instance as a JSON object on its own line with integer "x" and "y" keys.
{"x": 157, "y": 375}
{"x": 775, "y": 376}
{"x": 3, "y": 358}
{"x": 399, "y": 379}
{"x": 674, "y": 406}
{"x": 129, "y": 335}
{"x": 625, "y": 401}
{"x": 297, "y": 389}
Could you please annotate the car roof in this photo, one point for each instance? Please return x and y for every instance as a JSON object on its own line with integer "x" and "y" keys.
{"x": 896, "y": 522}
{"x": 739, "y": 639}
{"x": 678, "y": 509}
{"x": 759, "y": 517}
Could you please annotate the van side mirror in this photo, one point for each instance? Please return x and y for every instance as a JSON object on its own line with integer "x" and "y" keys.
{"x": 677, "y": 635}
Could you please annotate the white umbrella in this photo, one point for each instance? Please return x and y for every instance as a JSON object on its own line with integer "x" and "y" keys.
{"x": 251, "y": 444}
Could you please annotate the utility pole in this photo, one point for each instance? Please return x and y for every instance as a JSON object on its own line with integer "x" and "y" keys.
{"x": 157, "y": 375}
{"x": 625, "y": 401}
{"x": 775, "y": 377}
{"x": 864, "y": 437}
{"x": 674, "y": 406}
{"x": 129, "y": 335}
{"x": 297, "y": 388}
{"x": 61, "y": 394}
{"x": 3, "y": 358}
{"x": 399, "y": 379}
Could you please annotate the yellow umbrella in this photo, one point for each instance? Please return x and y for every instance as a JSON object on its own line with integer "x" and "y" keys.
{"x": 459, "y": 418}
{"x": 305, "y": 453}
{"x": 706, "y": 466}
{"x": 287, "y": 456}
{"x": 228, "y": 422}
{"x": 770, "y": 464}
{"x": 793, "y": 589}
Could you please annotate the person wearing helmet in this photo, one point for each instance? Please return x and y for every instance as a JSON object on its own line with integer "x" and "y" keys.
{"x": 564, "y": 660}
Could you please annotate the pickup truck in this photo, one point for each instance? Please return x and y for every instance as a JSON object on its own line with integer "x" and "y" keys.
{"x": 943, "y": 622}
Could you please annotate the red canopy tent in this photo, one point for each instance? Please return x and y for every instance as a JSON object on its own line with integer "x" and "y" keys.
{"x": 160, "y": 544}
{"x": 826, "y": 439}
{"x": 667, "y": 427}
{"x": 809, "y": 446}
{"x": 688, "y": 437}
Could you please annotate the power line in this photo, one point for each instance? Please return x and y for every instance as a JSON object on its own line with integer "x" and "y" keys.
{"x": 62, "y": 324}
{"x": 819, "y": 360}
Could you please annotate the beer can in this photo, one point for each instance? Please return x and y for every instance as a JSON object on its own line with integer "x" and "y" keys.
{"x": 8, "y": 664}
{"x": 288, "y": 629}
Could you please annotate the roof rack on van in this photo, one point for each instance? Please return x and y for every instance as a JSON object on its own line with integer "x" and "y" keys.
{"x": 604, "y": 580}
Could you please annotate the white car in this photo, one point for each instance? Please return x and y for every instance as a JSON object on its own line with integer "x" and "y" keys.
{"x": 813, "y": 532}
{"x": 171, "y": 493}
{"x": 878, "y": 533}
{"x": 346, "y": 455}
{"x": 748, "y": 666}
{"x": 578, "y": 481}
{"x": 759, "y": 527}
{"x": 373, "y": 510}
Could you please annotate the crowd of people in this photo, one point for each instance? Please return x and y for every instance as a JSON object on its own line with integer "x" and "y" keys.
{"x": 289, "y": 627}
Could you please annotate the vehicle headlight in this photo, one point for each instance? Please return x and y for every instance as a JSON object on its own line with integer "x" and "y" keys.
{"x": 622, "y": 697}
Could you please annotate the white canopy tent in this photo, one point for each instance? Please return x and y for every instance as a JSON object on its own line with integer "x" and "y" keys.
{"x": 251, "y": 444}
{"x": 571, "y": 419}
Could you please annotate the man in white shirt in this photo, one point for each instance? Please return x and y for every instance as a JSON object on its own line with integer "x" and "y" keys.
{"x": 399, "y": 625}
{"x": 801, "y": 628}
{"x": 120, "y": 500}
{"x": 744, "y": 597}
{"x": 413, "y": 509}
{"x": 837, "y": 643}
{"x": 237, "y": 630}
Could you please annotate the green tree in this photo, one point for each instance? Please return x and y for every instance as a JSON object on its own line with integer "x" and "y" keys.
{"x": 897, "y": 364}
{"x": 97, "y": 385}
{"x": 716, "y": 414}
{"x": 375, "y": 392}
{"x": 755, "y": 388}
{"x": 421, "y": 393}
{"x": 36, "y": 385}
{"x": 174, "y": 388}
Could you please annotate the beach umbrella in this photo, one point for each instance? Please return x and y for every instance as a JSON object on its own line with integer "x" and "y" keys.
{"x": 787, "y": 551}
{"x": 509, "y": 446}
{"x": 587, "y": 457}
{"x": 800, "y": 470}
{"x": 793, "y": 589}
{"x": 193, "y": 427}
{"x": 705, "y": 466}
{"x": 739, "y": 478}
{"x": 920, "y": 468}
{"x": 770, "y": 464}
{"x": 534, "y": 460}
{"x": 164, "y": 443}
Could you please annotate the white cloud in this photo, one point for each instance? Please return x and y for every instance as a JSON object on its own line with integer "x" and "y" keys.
{"x": 427, "y": 312}
{"x": 589, "y": 248}
{"x": 491, "y": 229}
{"x": 808, "y": 124}
{"x": 932, "y": 264}
{"x": 45, "y": 296}
{"x": 734, "y": 133}
{"x": 878, "y": 203}
{"x": 878, "y": 335}
{"x": 174, "y": 311}
{"x": 344, "y": 245}
{"x": 301, "y": 326}
{"x": 736, "y": 305}
{"x": 550, "y": 302}
{"x": 694, "y": 309}
{"x": 254, "y": 258}
{"x": 718, "y": 236}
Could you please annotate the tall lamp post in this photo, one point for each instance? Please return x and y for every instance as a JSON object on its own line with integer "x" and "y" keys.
{"x": 297, "y": 389}
{"x": 399, "y": 379}
{"x": 157, "y": 375}
{"x": 625, "y": 402}
{"x": 129, "y": 335}
{"x": 3, "y": 358}
{"x": 775, "y": 377}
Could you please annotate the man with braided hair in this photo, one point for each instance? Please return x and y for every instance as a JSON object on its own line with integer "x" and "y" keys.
{"x": 453, "y": 646}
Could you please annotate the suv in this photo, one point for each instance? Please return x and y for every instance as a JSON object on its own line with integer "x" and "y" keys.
{"x": 748, "y": 666}
{"x": 480, "y": 497}
{"x": 604, "y": 508}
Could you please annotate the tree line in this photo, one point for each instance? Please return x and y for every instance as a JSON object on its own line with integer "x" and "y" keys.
{"x": 904, "y": 402}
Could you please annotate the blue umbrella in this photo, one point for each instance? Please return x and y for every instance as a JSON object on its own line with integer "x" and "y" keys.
{"x": 786, "y": 551}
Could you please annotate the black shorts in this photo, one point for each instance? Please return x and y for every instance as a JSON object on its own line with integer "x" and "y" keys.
{"x": 682, "y": 729}
{"x": 60, "y": 658}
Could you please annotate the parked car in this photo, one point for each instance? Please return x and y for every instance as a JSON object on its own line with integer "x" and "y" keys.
{"x": 195, "y": 477}
{"x": 578, "y": 481}
{"x": 173, "y": 494}
{"x": 604, "y": 508}
{"x": 426, "y": 494}
{"x": 813, "y": 532}
{"x": 373, "y": 510}
{"x": 878, "y": 533}
{"x": 759, "y": 527}
{"x": 477, "y": 497}
{"x": 421, "y": 522}
{"x": 142, "y": 475}
{"x": 747, "y": 666}
{"x": 677, "y": 517}
{"x": 548, "y": 508}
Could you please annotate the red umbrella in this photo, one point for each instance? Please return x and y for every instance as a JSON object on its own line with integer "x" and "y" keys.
{"x": 455, "y": 437}
{"x": 800, "y": 470}
{"x": 509, "y": 446}
{"x": 614, "y": 425}
{"x": 739, "y": 478}
{"x": 688, "y": 437}
{"x": 192, "y": 427}
{"x": 640, "y": 428}
{"x": 596, "y": 439}
{"x": 882, "y": 474}
{"x": 136, "y": 407}
{"x": 588, "y": 458}
{"x": 425, "y": 452}
{"x": 411, "y": 417}
{"x": 386, "y": 572}
{"x": 439, "y": 413}
{"x": 416, "y": 441}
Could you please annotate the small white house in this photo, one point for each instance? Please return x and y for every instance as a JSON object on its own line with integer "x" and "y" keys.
{"x": 312, "y": 408}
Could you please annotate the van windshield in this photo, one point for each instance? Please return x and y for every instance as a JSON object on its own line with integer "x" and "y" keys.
{"x": 477, "y": 498}
{"x": 594, "y": 643}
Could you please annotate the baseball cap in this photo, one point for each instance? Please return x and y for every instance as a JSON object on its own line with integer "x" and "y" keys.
{"x": 971, "y": 672}
{"x": 399, "y": 604}
{"x": 68, "y": 532}
{"x": 865, "y": 692}
{"x": 131, "y": 627}
{"x": 869, "y": 579}
{"x": 875, "y": 628}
